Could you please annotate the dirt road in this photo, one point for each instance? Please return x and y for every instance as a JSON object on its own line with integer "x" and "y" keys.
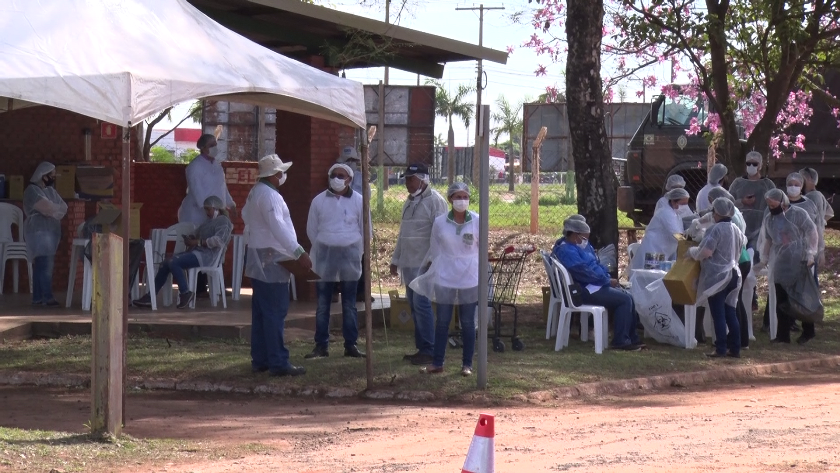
{"x": 789, "y": 423}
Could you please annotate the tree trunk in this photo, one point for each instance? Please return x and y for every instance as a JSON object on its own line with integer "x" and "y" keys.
{"x": 595, "y": 182}
{"x": 450, "y": 154}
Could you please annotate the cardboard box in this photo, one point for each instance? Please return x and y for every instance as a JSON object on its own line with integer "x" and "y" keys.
{"x": 110, "y": 217}
{"x": 400, "y": 318}
{"x": 95, "y": 182}
{"x": 16, "y": 187}
{"x": 65, "y": 181}
{"x": 681, "y": 280}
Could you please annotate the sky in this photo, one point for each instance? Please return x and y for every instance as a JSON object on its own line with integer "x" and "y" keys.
{"x": 515, "y": 80}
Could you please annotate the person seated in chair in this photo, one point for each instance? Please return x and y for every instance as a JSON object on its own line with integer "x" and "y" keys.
{"x": 202, "y": 248}
{"x": 576, "y": 254}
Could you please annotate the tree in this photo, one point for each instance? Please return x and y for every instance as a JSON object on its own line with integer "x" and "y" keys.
{"x": 188, "y": 155}
{"x": 509, "y": 117}
{"x": 194, "y": 113}
{"x": 449, "y": 106}
{"x": 159, "y": 154}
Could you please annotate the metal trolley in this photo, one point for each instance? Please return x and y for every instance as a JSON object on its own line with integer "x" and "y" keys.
{"x": 505, "y": 273}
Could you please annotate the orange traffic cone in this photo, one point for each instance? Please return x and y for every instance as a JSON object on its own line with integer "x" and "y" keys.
{"x": 481, "y": 456}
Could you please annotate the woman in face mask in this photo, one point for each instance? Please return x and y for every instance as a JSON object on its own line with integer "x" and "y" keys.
{"x": 714, "y": 179}
{"x": 659, "y": 234}
{"x": 674, "y": 181}
{"x": 44, "y": 209}
{"x": 452, "y": 276}
{"x": 794, "y": 183}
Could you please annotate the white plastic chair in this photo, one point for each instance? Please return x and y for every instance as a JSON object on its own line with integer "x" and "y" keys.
{"x": 556, "y": 296}
{"x": 173, "y": 233}
{"x": 215, "y": 279}
{"x": 77, "y": 253}
{"x": 12, "y": 249}
{"x": 567, "y": 308}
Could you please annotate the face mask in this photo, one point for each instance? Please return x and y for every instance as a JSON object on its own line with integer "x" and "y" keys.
{"x": 684, "y": 210}
{"x": 752, "y": 169}
{"x": 417, "y": 192}
{"x": 282, "y": 180}
{"x": 49, "y": 181}
{"x": 583, "y": 244}
{"x": 460, "y": 205}
{"x": 337, "y": 184}
{"x": 215, "y": 213}
{"x": 794, "y": 191}
{"x": 213, "y": 152}
{"x": 776, "y": 211}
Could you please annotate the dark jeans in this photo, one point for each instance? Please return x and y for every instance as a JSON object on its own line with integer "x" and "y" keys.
{"x": 269, "y": 306}
{"x": 42, "y": 272}
{"x": 723, "y": 316}
{"x": 421, "y": 312}
{"x": 444, "y": 317}
{"x": 743, "y": 319}
{"x": 785, "y": 320}
{"x": 620, "y": 304}
{"x": 349, "y": 326}
{"x": 177, "y": 266}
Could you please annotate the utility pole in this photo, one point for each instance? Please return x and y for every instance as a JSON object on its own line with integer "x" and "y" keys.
{"x": 387, "y": 20}
{"x": 479, "y": 88}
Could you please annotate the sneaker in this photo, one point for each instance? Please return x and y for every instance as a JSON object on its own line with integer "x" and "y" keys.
{"x": 410, "y": 357}
{"x": 466, "y": 371}
{"x": 353, "y": 352}
{"x": 145, "y": 301}
{"x": 291, "y": 370}
{"x": 259, "y": 369}
{"x": 715, "y": 354}
{"x": 628, "y": 347}
{"x": 317, "y": 352}
{"x": 805, "y": 338}
{"x": 37, "y": 303}
{"x": 52, "y": 303}
{"x": 431, "y": 369}
{"x": 184, "y": 299}
{"x": 729, "y": 354}
{"x": 779, "y": 340}
{"x": 421, "y": 359}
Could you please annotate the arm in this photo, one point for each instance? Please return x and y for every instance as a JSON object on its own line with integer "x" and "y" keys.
{"x": 582, "y": 270}
{"x": 196, "y": 182}
{"x": 395, "y": 258}
{"x": 56, "y": 210}
{"x": 275, "y": 219}
{"x": 221, "y": 235}
{"x": 312, "y": 220}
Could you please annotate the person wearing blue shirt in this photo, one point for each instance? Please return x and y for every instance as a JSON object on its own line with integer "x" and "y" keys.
{"x": 578, "y": 257}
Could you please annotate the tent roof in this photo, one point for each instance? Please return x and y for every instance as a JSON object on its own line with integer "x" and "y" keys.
{"x": 122, "y": 61}
{"x": 299, "y": 29}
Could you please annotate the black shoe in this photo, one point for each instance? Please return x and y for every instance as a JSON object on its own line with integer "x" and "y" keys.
{"x": 317, "y": 352}
{"x": 290, "y": 371}
{"x": 410, "y": 357}
{"x": 185, "y": 299}
{"x": 628, "y": 347}
{"x": 353, "y": 352}
{"x": 259, "y": 369}
{"x": 145, "y": 301}
{"x": 715, "y": 354}
{"x": 52, "y": 303}
{"x": 805, "y": 338}
{"x": 779, "y": 340}
{"x": 421, "y": 359}
{"x": 729, "y": 354}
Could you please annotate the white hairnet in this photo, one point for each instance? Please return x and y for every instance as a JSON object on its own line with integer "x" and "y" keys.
{"x": 42, "y": 170}
{"x": 777, "y": 195}
{"x": 677, "y": 194}
{"x": 214, "y": 202}
{"x": 457, "y": 187}
{"x": 795, "y": 176}
{"x": 754, "y": 157}
{"x": 575, "y": 226}
{"x": 717, "y": 173}
{"x": 718, "y": 192}
{"x": 342, "y": 166}
{"x": 723, "y": 207}
{"x": 810, "y": 174}
{"x": 577, "y": 217}
{"x": 674, "y": 181}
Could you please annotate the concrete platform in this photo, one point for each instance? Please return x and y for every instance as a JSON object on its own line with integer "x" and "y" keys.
{"x": 19, "y": 319}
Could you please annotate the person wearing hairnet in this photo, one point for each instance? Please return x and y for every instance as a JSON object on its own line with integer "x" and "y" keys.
{"x": 575, "y": 253}
{"x": 350, "y": 157}
{"x": 675, "y": 181}
{"x": 789, "y": 239}
{"x": 720, "y": 278}
{"x": 794, "y": 183}
{"x": 824, "y": 211}
{"x": 419, "y": 212}
{"x": 44, "y": 209}
{"x": 714, "y": 179}
{"x": 659, "y": 234}
{"x": 209, "y": 240}
{"x": 271, "y": 240}
{"x": 335, "y": 230}
{"x": 452, "y": 276}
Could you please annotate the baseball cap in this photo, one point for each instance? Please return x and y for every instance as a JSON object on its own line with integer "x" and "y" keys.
{"x": 413, "y": 169}
{"x": 348, "y": 153}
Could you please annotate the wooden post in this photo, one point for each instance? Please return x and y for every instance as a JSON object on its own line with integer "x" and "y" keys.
{"x": 366, "y": 229}
{"x": 106, "y": 380}
{"x": 380, "y": 153}
{"x": 535, "y": 181}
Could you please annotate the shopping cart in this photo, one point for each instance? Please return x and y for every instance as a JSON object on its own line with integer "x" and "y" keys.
{"x": 505, "y": 273}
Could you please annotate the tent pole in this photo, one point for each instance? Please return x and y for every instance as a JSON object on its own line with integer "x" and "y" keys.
{"x": 483, "y": 244}
{"x": 366, "y": 231}
{"x": 126, "y": 222}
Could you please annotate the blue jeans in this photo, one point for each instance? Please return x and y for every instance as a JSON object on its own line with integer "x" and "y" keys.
{"x": 349, "y": 325}
{"x": 421, "y": 312}
{"x": 724, "y": 316}
{"x": 444, "y": 317}
{"x": 620, "y": 304}
{"x": 269, "y": 306}
{"x": 177, "y": 266}
{"x": 42, "y": 272}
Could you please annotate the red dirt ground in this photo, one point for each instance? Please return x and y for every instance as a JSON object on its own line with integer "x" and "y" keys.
{"x": 784, "y": 423}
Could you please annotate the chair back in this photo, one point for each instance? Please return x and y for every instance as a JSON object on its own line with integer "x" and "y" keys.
{"x": 552, "y": 275}
{"x": 565, "y": 281}
{"x": 10, "y": 215}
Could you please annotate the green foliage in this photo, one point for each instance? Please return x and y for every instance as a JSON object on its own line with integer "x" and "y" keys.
{"x": 159, "y": 154}
{"x": 188, "y": 155}
{"x": 448, "y": 105}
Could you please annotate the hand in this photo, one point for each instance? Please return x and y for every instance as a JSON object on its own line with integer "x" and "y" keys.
{"x": 613, "y": 282}
{"x": 759, "y": 266}
{"x": 191, "y": 241}
{"x": 748, "y": 200}
{"x": 305, "y": 261}
{"x": 810, "y": 260}
{"x": 394, "y": 270}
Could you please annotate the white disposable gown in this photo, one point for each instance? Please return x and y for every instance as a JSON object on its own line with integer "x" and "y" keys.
{"x": 335, "y": 229}
{"x": 659, "y": 237}
{"x": 216, "y": 233}
{"x": 271, "y": 235}
{"x": 43, "y": 209}
{"x": 824, "y": 213}
{"x": 204, "y": 179}
{"x": 418, "y": 216}
{"x": 725, "y": 242}
{"x": 753, "y": 214}
{"x": 790, "y": 239}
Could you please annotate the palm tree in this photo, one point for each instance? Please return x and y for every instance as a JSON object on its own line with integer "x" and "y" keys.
{"x": 509, "y": 117}
{"x": 448, "y": 106}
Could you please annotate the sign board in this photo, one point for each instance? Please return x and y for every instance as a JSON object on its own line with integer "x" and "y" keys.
{"x": 409, "y": 124}
{"x": 108, "y": 131}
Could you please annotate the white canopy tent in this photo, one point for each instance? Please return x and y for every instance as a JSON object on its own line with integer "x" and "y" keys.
{"x": 122, "y": 61}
